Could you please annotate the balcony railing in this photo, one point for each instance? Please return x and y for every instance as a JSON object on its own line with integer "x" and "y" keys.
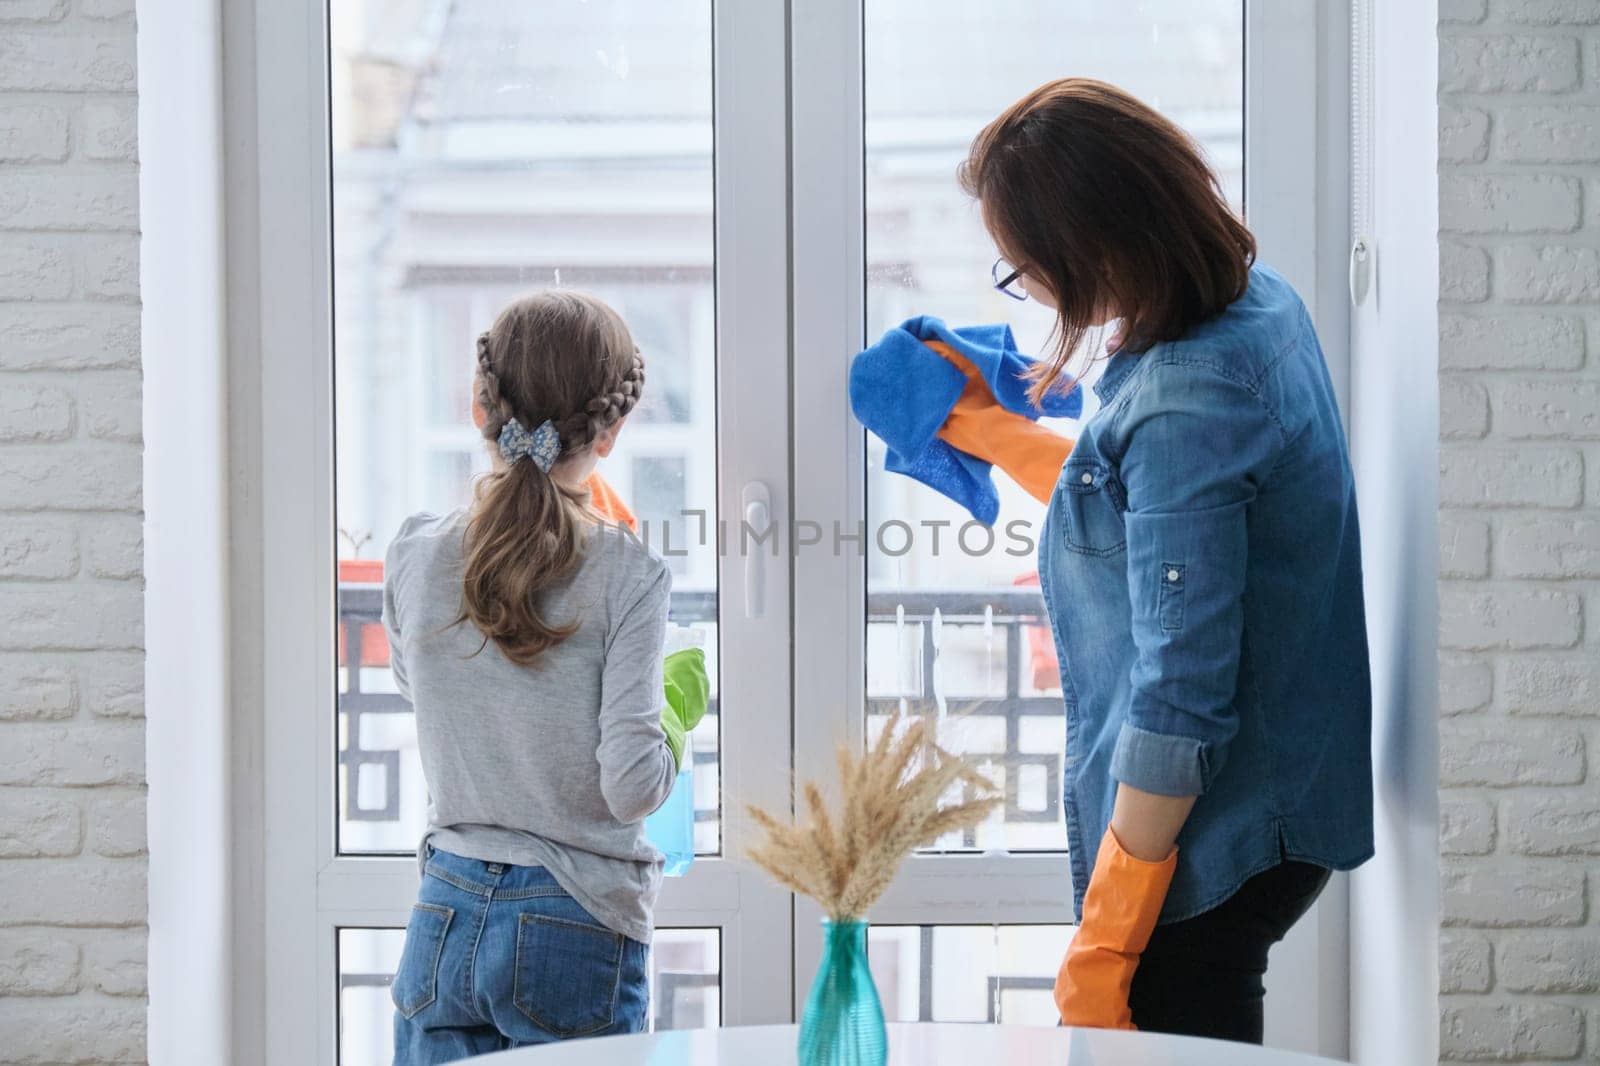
{"x": 1011, "y": 618}
{"x": 1014, "y": 620}
{"x": 361, "y": 628}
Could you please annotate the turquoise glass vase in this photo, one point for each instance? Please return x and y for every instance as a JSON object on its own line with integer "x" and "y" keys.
{"x": 843, "y": 1020}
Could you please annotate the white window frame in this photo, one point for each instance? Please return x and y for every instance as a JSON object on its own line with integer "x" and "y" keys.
{"x": 797, "y": 188}
{"x": 309, "y": 891}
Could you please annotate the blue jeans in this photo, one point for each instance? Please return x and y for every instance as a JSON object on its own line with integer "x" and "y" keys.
{"x": 498, "y": 956}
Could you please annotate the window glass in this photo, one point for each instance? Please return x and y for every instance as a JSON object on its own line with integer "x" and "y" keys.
{"x": 954, "y": 629}
{"x": 967, "y": 973}
{"x": 686, "y": 979}
{"x": 482, "y": 150}
{"x": 368, "y": 959}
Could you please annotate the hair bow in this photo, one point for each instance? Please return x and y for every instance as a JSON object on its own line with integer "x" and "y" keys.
{"x": 543, "y": 445}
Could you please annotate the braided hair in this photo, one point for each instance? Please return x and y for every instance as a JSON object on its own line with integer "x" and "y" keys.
{"x": 579, "y": 429}
{"x": 560, "y": 356}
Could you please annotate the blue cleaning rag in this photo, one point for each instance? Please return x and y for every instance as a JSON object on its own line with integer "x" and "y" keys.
{"x": 903, "y": 391}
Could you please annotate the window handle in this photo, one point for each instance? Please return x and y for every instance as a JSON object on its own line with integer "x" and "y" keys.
{"x": 756, "y": 515}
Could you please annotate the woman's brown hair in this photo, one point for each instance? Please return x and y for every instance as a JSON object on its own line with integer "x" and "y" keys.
{"x": 1112, "y": 206}
{"x": 566, "y": 357}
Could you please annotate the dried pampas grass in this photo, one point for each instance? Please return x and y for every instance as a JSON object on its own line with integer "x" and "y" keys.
{"x": 890, "y": 806}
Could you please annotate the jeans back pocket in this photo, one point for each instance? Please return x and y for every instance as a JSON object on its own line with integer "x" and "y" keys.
{"x": 416, "y": 981}
{"x": 566, "y": 974}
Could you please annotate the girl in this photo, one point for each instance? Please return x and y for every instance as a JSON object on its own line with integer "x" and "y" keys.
{"x": 527, "y": 633}
{"x": 1200, "y": 564}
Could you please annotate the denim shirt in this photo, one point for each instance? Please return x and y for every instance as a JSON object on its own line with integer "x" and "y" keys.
{"x": 1200, "y": 564}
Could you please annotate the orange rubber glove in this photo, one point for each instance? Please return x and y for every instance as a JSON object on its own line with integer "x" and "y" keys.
{"x": 1119, "y": 914}
{"x": 979, "y": 426}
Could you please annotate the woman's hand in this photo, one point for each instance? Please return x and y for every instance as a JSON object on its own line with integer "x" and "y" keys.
{"x": 1132, "y": 873}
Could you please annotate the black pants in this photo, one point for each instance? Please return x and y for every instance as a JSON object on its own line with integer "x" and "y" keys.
{"x": 1203, "y": 976}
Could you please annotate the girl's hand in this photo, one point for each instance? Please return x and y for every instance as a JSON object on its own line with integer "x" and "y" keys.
{"x": 688, "y": 691}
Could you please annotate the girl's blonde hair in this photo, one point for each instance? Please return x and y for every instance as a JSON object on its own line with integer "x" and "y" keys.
{"x": 566, "y": 357}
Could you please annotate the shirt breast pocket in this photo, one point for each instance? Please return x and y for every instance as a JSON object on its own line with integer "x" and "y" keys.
{"x": 1092, "y": 508}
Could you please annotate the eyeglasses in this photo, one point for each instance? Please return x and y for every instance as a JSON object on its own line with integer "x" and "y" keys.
{"x": 1008, "y": 279}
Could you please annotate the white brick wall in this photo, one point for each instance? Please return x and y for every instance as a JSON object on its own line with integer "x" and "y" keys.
{"x": 72, "y": 824}
{"x": 1519, "y": 596}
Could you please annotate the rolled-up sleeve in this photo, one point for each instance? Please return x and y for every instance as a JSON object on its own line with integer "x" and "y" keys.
{"x": 1198, "y": 447}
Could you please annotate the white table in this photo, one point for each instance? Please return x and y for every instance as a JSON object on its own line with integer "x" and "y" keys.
{"x": 910, "y": 1044}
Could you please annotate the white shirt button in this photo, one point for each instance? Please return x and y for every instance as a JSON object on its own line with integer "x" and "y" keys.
{"x": 1172, "y": 575}
{"x": 1087, "y": 479}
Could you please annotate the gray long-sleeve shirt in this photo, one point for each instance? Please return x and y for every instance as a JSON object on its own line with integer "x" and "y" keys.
{"x": 555, "y": 764}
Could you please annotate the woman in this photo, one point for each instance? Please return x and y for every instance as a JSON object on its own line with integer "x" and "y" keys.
{"x": 1199, "y": 562}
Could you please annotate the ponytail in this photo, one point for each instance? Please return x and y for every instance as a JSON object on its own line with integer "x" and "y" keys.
{"x": 522, "y": 537}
